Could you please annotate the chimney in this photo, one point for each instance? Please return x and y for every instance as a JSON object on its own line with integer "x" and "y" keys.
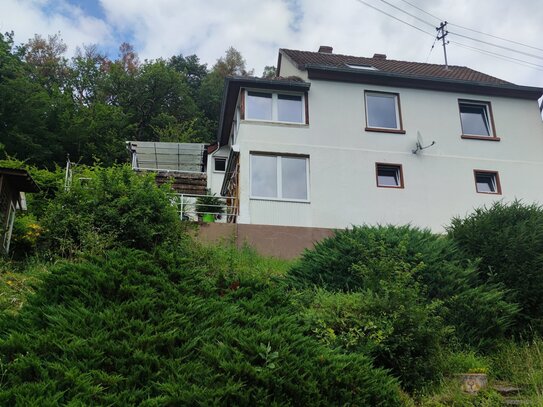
{"x": 379, "y": 56}
{"x": 325, "y": 49}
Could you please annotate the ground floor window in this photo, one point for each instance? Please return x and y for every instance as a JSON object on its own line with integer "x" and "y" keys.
{"x": 282, "y": 177}
{"x": 487, "y": 182}
{"x": 389, "y": 175}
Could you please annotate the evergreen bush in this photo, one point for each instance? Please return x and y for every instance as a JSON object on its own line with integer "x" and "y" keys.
{"x": 508, "y": 240}
{"x": 351, "y": 261}
{"x": 115, "y": 207}
{"x": 132, "y": 328}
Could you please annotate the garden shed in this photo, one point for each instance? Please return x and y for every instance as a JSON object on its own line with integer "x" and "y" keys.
{"x": 14, "y": 183}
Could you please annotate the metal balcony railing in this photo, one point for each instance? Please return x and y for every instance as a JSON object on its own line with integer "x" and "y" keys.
{"x": 206, "y": 208}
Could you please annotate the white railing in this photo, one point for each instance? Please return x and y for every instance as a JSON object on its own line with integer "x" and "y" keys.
{"x": 206, "y": 208}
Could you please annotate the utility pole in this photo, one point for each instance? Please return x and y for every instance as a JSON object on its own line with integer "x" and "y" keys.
{"x": 441, "y": 34}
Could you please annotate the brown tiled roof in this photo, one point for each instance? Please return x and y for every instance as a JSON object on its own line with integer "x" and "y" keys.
{"x": 418, "y": 69}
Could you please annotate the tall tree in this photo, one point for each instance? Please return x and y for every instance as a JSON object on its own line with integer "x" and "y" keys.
{"x": 269, "y": 72}
{"x": 46, "y": 58}
{"x": 232, "y": 64}
{"x": 191, "y": 67}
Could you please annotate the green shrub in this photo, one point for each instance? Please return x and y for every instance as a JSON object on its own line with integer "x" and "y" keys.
{"x": 132, "y": 329}
{"x": 390, "y": 319}
{"x": 478, "y": 311}
{"x": 508, "y": 239}
{"x": 116, "y": 207}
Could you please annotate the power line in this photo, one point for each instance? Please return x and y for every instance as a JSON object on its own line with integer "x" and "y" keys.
{"x": 409, "y": 14}
{"x": 473, "y": 30}
{"x": 495, "y": 36}
{"x": 490, "y": 53}
{"x": 497, "y": 46}
{"x": 396, "y": 18}
{"x": 425, "y": 12}
{"x": 500, "y": 56}
{"x": 431, "y": 49}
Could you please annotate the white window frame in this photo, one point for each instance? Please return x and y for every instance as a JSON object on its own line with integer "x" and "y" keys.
{"x": 279, "y": 178}
{"x": 275, "y": 97}
{"x": 214, "y": 164}
{"x": 362, "y": 67}
{"x": 396, "y": 98}
{"x": 488, "y": 116}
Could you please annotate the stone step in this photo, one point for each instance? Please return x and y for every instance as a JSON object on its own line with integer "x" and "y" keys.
{"x": 506, "y": 390}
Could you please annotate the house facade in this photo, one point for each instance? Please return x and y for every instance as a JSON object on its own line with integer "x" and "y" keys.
{"x": 337, "y": 140}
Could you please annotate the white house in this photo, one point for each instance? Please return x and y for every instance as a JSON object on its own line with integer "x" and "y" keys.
{"x": 337, "y": 140}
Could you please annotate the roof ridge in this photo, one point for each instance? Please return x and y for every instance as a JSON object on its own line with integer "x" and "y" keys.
{"x": 305, "y": 58}
{"x": 387, "y": 59}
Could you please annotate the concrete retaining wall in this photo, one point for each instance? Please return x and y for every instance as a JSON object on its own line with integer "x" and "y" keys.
{"x": 284, "y": 242}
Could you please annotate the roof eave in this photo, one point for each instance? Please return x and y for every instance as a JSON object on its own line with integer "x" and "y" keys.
{"x": 21, "y": 178}
{"x": 422, "y": 82}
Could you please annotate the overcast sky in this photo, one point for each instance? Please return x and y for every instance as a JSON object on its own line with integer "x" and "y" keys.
{"x": 257, "y": 28}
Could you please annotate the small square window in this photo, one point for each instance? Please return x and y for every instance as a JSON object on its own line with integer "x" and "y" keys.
{"x": 487, "y": 182}
{"x": 383, "y": 112}
{"x": 220, "y": 164}
{"x": 476, "y": 119}
{"x": 389, "y": 175}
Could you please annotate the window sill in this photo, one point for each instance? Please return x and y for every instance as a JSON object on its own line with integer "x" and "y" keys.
{"x": 256, "y": 198}
{"x": 489, "y": 193}
{"x": 390, "y": 186}
{"x": 377, "y": 130}
{"x": 272, "y": 123}
{"x": 487, "y": 138}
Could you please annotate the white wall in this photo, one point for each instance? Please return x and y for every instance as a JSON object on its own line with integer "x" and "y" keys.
{"x": 439, "y": 182}
{"x": 215, "y": 178}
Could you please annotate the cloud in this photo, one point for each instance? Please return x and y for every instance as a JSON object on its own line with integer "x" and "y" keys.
{"x": 162, "y": 28}
{"x": 47, "y": 17}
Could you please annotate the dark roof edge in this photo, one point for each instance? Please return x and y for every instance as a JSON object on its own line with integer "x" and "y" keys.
{"x": 27, "y": 182}
{"x": 421, "y": 82}
{"x": 231, "y": 89}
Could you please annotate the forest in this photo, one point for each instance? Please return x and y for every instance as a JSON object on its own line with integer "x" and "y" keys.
{"x": 88, "y": 105}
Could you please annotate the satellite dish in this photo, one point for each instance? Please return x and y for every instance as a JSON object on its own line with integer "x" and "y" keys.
{"x": 419, "y": 146}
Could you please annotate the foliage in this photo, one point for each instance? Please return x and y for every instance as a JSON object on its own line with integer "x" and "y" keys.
{"x": 521, "y": 364}
{"x": 508, "y": 239}
{"x": 130, "y": 328}
{"x": 89, "y": 105}
{"x": 389, "y": 318}
{"x": 348, "y": 260}
{"x": 17, "y": 283}
{"x": 210, "y": 203}
{"x": 116, "y": 207}
{"x": 26, "y": 232}
{"x": 269, "y": 72}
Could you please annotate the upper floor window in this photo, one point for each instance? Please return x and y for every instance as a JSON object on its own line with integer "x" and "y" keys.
{"x": 383, "y": 112}
{"x": 280, "y": 177}
{"x": 277, "y": 107}
{"x": 476, "y": 119}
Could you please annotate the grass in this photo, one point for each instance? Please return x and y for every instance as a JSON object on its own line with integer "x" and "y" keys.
{"x": 17, "y": 282}
{"x": 521, "y": 365}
